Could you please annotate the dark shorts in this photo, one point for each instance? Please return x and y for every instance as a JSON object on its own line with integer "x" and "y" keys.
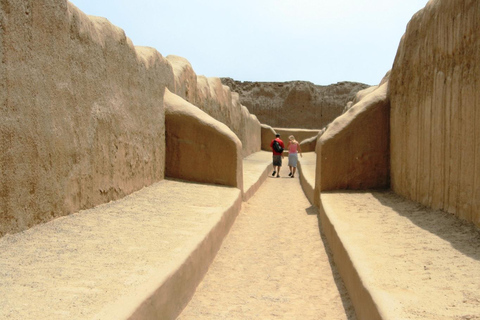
{"x": 277, "y": 160}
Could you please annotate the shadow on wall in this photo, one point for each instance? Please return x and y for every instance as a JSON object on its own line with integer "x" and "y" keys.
{"x": 353, "y": 153}
{"x": 198, "y": 147}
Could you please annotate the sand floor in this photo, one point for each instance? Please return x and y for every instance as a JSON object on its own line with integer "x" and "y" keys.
{"x": 419, "y": 263}
{"x": 273, "y": 264}
{"x": 87, "y": 264}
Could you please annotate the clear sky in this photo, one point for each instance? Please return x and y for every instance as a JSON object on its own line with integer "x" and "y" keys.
{"x": 321, "y": 41}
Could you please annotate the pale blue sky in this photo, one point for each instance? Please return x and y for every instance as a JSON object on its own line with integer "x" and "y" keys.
{"x": 323, "y": 42}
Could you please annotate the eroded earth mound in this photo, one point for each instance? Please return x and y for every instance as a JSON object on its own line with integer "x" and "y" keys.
{"x": 295, "y": 104}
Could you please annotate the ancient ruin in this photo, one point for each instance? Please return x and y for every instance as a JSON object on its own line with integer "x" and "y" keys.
{"x": 123, "y": 171}
{"x": 295, "y": 104}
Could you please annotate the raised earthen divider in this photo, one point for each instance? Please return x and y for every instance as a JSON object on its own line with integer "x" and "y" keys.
{"x": 140, "y": 257}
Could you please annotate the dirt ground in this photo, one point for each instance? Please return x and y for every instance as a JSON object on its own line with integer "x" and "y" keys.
{"x": 95, "y": 264}
{"x": 273, "y": 264}
{"x": 419, "y": 262}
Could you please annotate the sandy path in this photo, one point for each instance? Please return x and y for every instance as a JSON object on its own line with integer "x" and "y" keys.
{"x": 273, "y": 264}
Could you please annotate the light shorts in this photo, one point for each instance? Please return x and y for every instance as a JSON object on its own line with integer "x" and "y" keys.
{"x": 277, "y": 160}
{"x": 292, "y": 159}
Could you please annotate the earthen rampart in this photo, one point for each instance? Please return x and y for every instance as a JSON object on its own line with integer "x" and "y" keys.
{"x": 77, "y": 127}
{"x": 294, "y": 104}
{"x": 435, "y": 119}
{"x": 83, "y": 119}
{"x": 192, "y": 137}
{"x": 218, "y": 101}
{"x": 353, "y": 152}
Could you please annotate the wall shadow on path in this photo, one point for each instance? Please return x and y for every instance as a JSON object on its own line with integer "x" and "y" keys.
{"x": 346, "y": 301}
{"x": 461, "y": 234}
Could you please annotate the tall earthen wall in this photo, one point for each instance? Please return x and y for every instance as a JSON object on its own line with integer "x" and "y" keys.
{"x": 218, "y": 101}
{"x": 353, "y": 152}
{"x": 435, "y": 109}
{"x": 82, "y": 112}
{"x": 200, "y": 148}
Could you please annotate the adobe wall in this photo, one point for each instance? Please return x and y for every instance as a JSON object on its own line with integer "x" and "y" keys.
{"x": 353, "y": 152}
{"x": 200, "y": 148}
{"x": 310, "y": 144}
{"x": 82, "y": 119}
{"x": 435, "y": 102}
{"x": 82, "y": 113}
{"x": 218, "y": 101}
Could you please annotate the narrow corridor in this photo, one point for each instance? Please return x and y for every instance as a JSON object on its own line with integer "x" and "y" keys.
{"x": 273, "y": 264}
